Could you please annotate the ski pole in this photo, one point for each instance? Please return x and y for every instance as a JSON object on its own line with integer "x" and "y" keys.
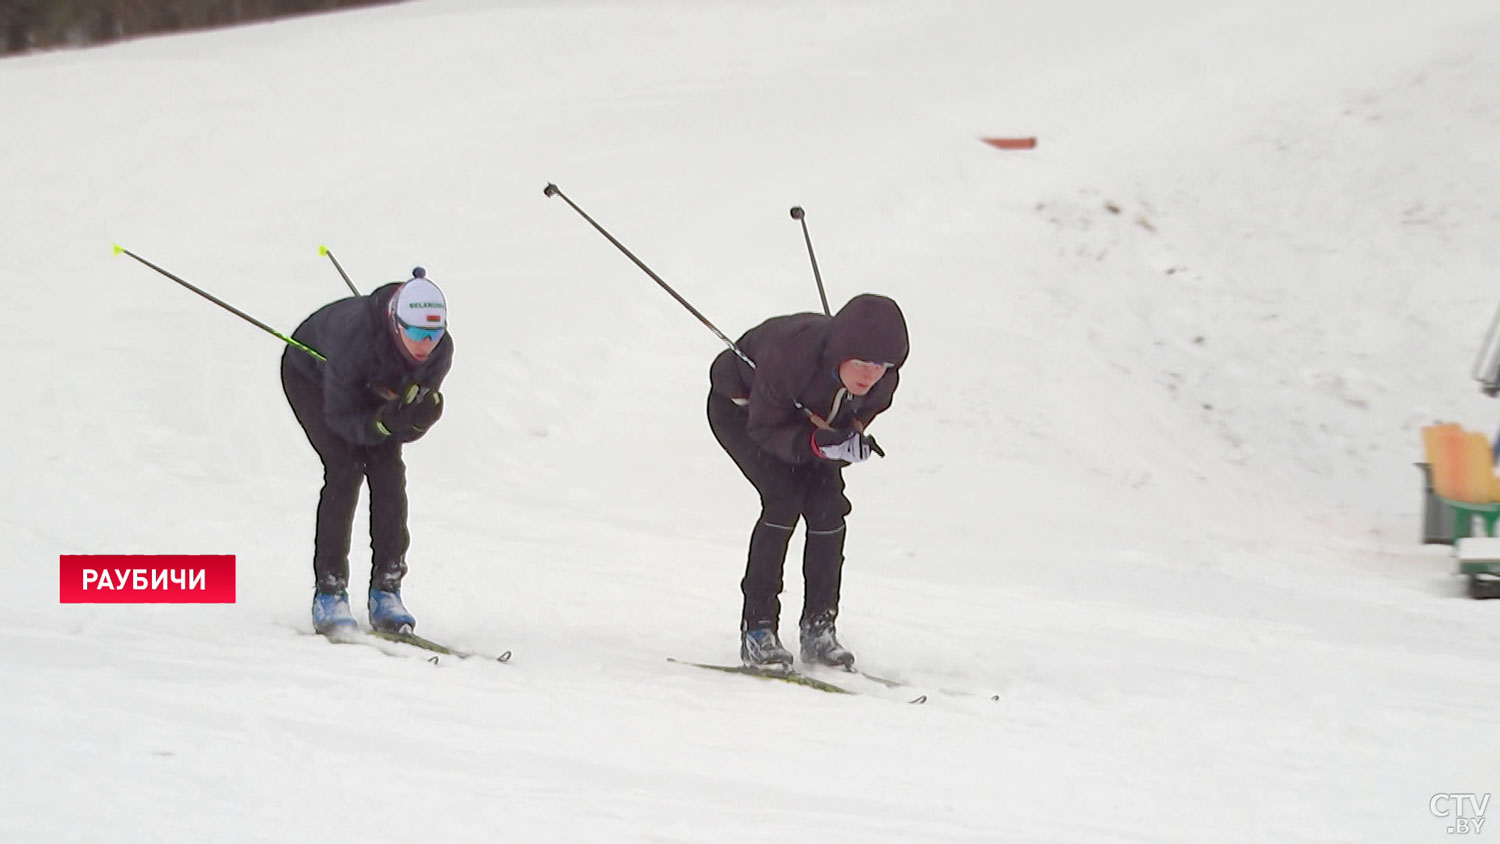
{"x": 323, "y": 250}
{"x": 818, "y": 421}
{"x": 230, "y": 308}
{"x": 801, "y": 216}
{"x": 553, "y": 190}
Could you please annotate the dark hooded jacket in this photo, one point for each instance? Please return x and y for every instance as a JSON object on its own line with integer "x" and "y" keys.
{"x": 366, "y": 365}
{"x": 797, "y": 359}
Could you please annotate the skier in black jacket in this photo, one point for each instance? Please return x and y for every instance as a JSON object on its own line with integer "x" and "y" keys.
{"x": 387, "y": 354}
{"x": 844, "y": 370}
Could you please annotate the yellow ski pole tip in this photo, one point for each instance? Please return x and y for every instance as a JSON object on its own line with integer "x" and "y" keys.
{"x": 119, "y": 249}
{"x": 322, "y": 250}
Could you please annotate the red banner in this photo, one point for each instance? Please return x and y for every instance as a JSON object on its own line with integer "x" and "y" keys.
{"x": 146, "y": 578}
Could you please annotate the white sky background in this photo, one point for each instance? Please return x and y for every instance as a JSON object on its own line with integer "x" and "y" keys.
{"x": 1150, "y": 472}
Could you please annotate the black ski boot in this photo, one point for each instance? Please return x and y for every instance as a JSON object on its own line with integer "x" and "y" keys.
{"x": 820, "y": 644}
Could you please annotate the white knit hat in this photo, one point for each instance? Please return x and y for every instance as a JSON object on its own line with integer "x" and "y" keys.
{"x": 419, "y": 303}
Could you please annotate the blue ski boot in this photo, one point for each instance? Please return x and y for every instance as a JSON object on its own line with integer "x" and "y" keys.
{"x": 388, "y": 614}
{"x": 760, "y": 647}
{"x": 331, "y": 615}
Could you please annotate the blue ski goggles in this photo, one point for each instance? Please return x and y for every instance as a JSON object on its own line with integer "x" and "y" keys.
{"x": 417, "y": 333}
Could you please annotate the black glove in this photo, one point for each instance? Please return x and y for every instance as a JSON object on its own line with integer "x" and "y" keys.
{"x": 426, "y": 410}
{"x": 849, "y": 446}
{"x": 399, "y": 417}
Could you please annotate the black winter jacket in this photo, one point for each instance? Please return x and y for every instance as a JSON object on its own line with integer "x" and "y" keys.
{"x": 797, "y": 359}
{"x": 366, "y": 365}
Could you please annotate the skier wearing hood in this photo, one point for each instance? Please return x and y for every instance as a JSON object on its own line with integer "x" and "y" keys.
{"x": 843, "y": 370}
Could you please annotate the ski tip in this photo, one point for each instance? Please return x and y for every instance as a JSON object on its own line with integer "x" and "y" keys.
{"x": 918, "y": 699}
{"x": 433, "y": 660}
{"x": 505, "y": 657}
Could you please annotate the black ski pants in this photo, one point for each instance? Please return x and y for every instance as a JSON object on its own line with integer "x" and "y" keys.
{"x": 788, "y": 491}
{"x": 346, "y": 466}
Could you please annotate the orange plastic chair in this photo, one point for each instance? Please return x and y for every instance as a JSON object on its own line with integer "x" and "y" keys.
{"x": 1463, "y": 475}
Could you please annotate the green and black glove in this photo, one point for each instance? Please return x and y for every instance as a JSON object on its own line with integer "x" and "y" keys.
{"x": 400, "y": 416}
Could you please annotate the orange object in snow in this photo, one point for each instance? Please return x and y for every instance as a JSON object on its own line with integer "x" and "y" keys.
{"x": 1011, "y": 143}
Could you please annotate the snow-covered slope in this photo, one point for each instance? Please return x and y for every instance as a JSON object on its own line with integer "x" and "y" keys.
{"x": 1149, "y": 480}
